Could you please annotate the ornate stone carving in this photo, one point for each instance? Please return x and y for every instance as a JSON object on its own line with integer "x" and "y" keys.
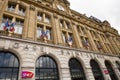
{"x": 32, "y": 7}
{"x": 16, "y": 45}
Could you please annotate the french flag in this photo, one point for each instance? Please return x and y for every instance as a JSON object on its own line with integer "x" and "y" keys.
{"x": 6, "y": 26}
{"x": 12, "y": 29}
{"x": 70, "y": 41}
{"x": 44, "y": 34}
{"x": 86, "y": 43}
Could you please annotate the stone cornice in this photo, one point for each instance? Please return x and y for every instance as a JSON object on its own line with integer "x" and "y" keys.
{"x": 52, "y": 45}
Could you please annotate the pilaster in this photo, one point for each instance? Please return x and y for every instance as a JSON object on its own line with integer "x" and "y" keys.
{"x": 76, "y": 36}
{"x": 31, "y": 23}
{"x": 3, "y": 5}
{"x": 91, "y": 40}
{"x": 57, "y": 29}
{"x": 102, "y": 43}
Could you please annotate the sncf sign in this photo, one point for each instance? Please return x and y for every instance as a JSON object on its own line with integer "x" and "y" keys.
{"x": 106, "y": 71}
{"x": 27, "y": 74}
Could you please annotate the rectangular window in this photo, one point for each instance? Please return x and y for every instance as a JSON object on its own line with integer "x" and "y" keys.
{"x": 70, "y": 36}
{"x": 11, "y": 7}
{"x": 67, "y": 25}
{"x": 64, "y": 37}
{"x": 19, "y": 26}
{"x": 4, "y": 20}
{"x": 48, "y": 30}
{"x": 39, "y": 31}
{"x": 40, "y": 16}
{"x": 61, "y": 23}
{"x": 47, "y": 19}
{"x": 21, "y": 11}
{"x": 83, "y": 31}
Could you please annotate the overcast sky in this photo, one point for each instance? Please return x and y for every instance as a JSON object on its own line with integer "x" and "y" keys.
{"x": 102, "y": 9}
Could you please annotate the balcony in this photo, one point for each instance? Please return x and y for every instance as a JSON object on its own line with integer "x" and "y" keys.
{"x": 6, "y": 33}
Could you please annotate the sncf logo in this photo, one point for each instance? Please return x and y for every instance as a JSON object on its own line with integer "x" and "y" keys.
{"x": 27, "y": 74}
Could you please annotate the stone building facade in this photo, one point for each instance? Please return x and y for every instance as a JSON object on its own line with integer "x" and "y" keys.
{"x": 46, "y": 40}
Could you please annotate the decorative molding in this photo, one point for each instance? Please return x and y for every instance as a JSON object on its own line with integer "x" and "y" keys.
{"x": 32, "y": 7}
{"x": 16, "y": 45}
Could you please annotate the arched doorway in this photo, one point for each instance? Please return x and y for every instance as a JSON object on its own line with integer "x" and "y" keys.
{"x": 9, "y": 66}
{"x": 118, "y": 65}
{"x": 110, "y": 70}
{"x": 96, "y": 70}
{"x": 46, "y": 69}
{"x": 76, "y": 70}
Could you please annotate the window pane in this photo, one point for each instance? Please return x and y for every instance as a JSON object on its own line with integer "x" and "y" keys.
{"x": 11, "y": 7}
{"x": 21, "y": 11}
{"x": 110, "y": 70}
{"x": 46, "y": 71}
{"x": 67, "y": 25}
{"x": 47, "y": 19}
{"x": 76, "y": 70}
{"x": 39, "y": 32}
{"x": 40, "y": 16}
{"x": 2, "y": 26}
{"x": 61, "y": 23}
{"x": 18, "y": 29}
{"x": 49, "y": 33}
{"x": 64, "y": 37}
{"x": 8, "y": 69}
{"x": 96, "y": 70}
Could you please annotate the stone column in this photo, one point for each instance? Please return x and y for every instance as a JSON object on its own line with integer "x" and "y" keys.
{"x": 31, "y": 25}
{"x": 110, "y": 48}
{"x": 91, "y": 41}
{"x": 3, "y": 6}
{"x": 17, "y": 8}
{"x": 65, "y": 73}
{"x": 115, "y": 45}
{"x": 54, "y": 28}
{"x": 58, "y": 33}
{"x": 26, "y": 23}
{"x": 76, "y": 35}
{"x": 112, "y": 45}
{"x": 102, "y": 43}
{"x": 87, "y": 69}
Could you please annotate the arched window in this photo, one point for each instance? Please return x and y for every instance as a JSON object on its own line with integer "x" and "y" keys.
{"x": 76, "y": 70}
{"x": 110, "y": 70}
{"x": 118, "y": 65}
{"x": 46, "y": 69}
{"x": 9, "y": 66}
{"x": 96, "y": 70}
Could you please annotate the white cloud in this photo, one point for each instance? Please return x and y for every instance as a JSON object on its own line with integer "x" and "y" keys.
{"x": 101, "y": 9}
